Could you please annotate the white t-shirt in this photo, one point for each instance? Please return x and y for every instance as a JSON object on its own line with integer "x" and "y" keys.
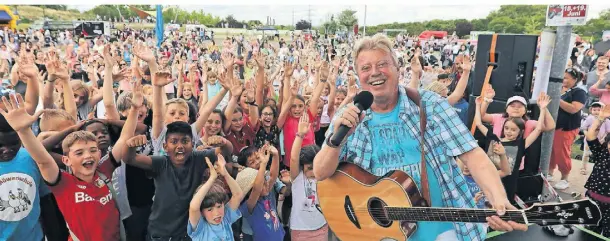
{"x": 304, "y": 214}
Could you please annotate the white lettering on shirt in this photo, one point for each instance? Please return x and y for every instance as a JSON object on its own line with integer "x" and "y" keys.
{"x": 83, "y": 197}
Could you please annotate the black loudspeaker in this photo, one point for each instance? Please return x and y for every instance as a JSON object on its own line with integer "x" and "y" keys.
{"x": 513, "y": 69}
{"x": 529, "y": 188}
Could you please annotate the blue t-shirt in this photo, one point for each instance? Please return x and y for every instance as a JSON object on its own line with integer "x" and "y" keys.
{"x": 395, "y": 149}
{"x": 264, "y": 219}
{"x": 461, "y": 108}
{"x": 277, "y": 188}
{"x": 213, "y": 90}
{"x": 205, "y": 231}
{"x": 474, "y": 189}
{"x": 21, "y": 186}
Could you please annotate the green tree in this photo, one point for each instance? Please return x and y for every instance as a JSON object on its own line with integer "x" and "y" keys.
{"x": 463, "y": 28}
{"x": 302, "y": 25}
{"x": 330, "y": 26}
{"x": 347, "y": 18}
{"x": 595, "y": 27}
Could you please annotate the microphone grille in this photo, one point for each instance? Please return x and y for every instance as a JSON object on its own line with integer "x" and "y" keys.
{"x": 365, "y": 99}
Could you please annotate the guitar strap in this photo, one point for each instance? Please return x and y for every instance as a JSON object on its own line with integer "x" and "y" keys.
{"x": 414, "y": 96}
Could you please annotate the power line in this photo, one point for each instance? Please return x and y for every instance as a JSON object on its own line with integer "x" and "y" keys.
{"x": 309, "y": 15}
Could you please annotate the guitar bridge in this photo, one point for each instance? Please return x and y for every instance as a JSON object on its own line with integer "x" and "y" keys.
{"x": 351, "y": 212}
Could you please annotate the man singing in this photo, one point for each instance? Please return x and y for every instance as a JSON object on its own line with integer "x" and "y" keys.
{"x": 385, "y": 138}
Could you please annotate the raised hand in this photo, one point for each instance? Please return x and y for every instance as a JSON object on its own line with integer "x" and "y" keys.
{"x": 263, "y": 155}
{"x": 352, "y": 91}
{"x": 143, "y": 53}
{"x": 236, "y": 90}
{"x": 137, "y": 98}
{"x": 220, "y": 165}
{"x": 260, "y": 60}
{"x": 108, "y": 60}
{"x": 288, "y": 69}
{"x": 543, "y": 100}
{"x": 15, "y": 114}
{"x": 466, "y": 64}
{"x": 250, "y": 90}
{"x": 490, "y": 93}
{"x": 228, "y": 60}
{"x": 122, "y": 74}
{"x": 294, "y": 88}
{"x": 225, "y": 79}
{"x": 304, "y": 125}
{"x": 213, "y": 173}
{"x": 161, "y": 78}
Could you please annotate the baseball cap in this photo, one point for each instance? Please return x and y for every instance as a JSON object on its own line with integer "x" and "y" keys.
{"x": 597, "y": 104}
{"x": 516, "y": 98}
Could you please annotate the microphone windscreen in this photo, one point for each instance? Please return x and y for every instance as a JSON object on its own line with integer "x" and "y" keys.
{"x": 365, "y": 99}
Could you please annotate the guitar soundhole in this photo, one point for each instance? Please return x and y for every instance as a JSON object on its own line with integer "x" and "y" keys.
{"x": 377, "y": 212}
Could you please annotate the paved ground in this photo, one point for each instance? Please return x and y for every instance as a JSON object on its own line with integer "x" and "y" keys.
{"x": 577, "y": 180}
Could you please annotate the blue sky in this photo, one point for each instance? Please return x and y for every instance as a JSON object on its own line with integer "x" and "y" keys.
{"x": 376, "y": 14}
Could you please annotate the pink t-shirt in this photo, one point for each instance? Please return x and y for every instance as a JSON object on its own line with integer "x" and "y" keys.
{"x": 290, "y": 131}
{"x": 498, "y": 123}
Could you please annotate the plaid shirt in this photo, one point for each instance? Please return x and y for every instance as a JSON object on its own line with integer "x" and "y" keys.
{"x": 446, "y": 137}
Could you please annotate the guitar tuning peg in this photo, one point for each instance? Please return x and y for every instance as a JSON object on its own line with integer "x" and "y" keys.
{"x": 557, "y": 208}
{"x": 575, "y": 206}
{"x": 581, "y": 220}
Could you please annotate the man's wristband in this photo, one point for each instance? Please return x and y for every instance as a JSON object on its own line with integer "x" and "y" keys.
{"x": 301, "y": 135}
{"x": 331, "y": 145}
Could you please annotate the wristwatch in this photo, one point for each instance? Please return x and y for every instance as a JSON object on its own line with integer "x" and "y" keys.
{"x": 331, "y": 145}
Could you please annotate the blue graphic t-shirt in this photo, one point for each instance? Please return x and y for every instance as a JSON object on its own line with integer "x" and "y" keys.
{"x": 461, "y": 108}
{"x": 395, "y": 149}
{"x": 21, "y": 186}
{"x": 264, "y": 219}
{"x": 205, "y": 231}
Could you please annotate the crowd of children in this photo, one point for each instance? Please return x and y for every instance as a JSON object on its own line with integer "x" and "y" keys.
{"x": 163, "y": 147}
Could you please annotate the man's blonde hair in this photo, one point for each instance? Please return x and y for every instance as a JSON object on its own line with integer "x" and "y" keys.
{"x": 76, "y": 137}
{"x": 51, "y": 115}
{"x": 377, "y": 42}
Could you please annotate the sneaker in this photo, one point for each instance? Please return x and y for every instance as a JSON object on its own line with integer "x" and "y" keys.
{"x": 561, "y": 185}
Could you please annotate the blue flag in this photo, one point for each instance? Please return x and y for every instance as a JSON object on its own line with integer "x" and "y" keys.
{"x": 159, "y": 26}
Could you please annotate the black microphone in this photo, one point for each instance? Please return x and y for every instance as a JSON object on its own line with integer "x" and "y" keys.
{"x": 363, "y": 101}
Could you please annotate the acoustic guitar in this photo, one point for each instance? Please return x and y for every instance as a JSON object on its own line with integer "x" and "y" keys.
{"x": 360, "y": 206}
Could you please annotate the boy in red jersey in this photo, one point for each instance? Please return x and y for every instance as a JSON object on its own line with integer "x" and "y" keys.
{"x": 84, "y": 197}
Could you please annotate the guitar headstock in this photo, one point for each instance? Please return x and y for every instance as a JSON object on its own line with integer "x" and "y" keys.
{"x": 582, "y": 211}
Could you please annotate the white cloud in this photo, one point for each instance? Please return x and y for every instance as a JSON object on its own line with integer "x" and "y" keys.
{"x": 376, "y": 14}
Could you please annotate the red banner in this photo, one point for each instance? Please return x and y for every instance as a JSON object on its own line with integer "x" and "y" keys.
{"x": 574, "y": 11}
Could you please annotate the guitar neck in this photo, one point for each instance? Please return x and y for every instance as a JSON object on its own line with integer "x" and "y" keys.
{"x": 415, "y": 214}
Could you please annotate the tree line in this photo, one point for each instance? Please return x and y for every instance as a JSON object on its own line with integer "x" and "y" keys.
{"x": 515, "y": 19}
